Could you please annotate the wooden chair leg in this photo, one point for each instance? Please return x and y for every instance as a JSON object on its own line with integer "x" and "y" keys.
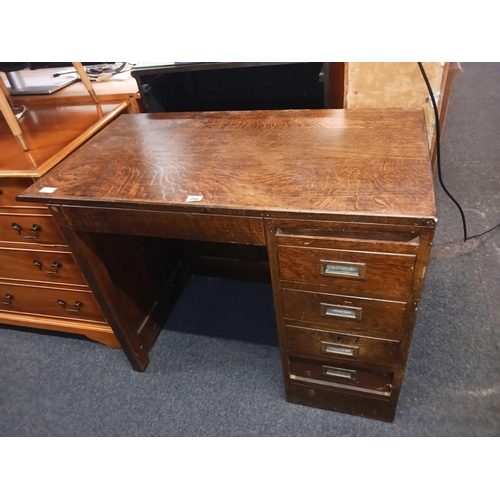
{"x": 11, "y": 120}
{"x": 85, "y": 79}
{"x": 5, "y": 90}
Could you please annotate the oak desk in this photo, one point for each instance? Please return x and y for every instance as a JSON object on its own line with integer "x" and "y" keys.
{"x": 342, "y": 199}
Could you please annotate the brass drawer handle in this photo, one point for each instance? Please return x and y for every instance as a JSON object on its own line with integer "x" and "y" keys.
{"x": 331, "y": 371}
{"x": 35, "y": 228}
{"x": 338, "y": 269}
{"x": 77, "y": 306}
{"x": 346, "y": 312}
{"x": 8, "y": 299}
{"x": 340, "y": 350}
{"x": 55, "y": 265}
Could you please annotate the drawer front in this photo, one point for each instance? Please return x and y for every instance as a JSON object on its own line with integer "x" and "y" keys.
{"x": 10, "y": 188}
{"x": 342, "y": 375}
{"x": 341, "y": 346}
{"x": 362, "y": 272}
{"x": 78, "y": 305}
{"x": 347, "y": 235}
{"x": 178, "y": 225}
{"x": 39, "y": 265}
{"x": 30, "y": 228}
{"x": 340, "y": 311}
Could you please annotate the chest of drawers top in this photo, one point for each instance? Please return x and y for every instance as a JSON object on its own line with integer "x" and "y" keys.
{"x": 367, "y": 163}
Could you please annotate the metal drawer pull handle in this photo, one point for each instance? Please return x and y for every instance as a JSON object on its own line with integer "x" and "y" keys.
{"x": 354, "y": 270}
{"x": 339, "y": 372}
{"x": 35, "y": 228}
{"x": 8, "y": 299}
{"x": 77, "y": 306}
{"x": 55, "y": 265}
{"x": 341, "y": 350}
{"x": 346, "y": 312}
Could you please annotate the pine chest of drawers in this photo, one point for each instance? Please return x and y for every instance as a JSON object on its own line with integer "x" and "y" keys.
{"x": 41, "y": 286}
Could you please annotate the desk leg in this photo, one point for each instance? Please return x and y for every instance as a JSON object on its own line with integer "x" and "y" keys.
{"x": 272, "y": 251}
{"x": 135, "y": 290}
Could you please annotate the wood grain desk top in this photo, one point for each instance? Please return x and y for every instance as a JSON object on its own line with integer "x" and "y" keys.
{"x": 354, "y": 162}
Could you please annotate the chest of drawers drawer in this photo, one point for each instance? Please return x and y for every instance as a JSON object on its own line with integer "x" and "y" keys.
{"x": 39, "y": 265}
{"x": 10, "y": 188}
{"x": 327, "y": 346}
{"x": 22, "y": 227}
{"x": 384, "y": 275}
{"x": 55, "y": 302}
{"x": 383, "y": 318}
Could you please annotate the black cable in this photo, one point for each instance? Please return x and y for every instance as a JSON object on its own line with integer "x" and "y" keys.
{"x": 438, "y": 149}
{"x": 94, "y": 71}
{"x": 438, "y": 158}
{"x": 484, "y": 232}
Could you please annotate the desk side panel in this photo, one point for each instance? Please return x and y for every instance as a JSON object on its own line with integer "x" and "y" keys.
{"x": 135, "y": 288}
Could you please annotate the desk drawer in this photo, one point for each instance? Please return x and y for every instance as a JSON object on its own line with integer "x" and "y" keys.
{"x": 340, "y": 375}
{"x": 329, "y": 346}
{"x": 29, "y": 228}
{"x": 179, "y": 225}
{"x": 341, "y": 311}
{"x": 39, "y": 265}
{"x": 360, "y": 272}
{"x": 10, "y": 188}
{"x": 55, "y": 302}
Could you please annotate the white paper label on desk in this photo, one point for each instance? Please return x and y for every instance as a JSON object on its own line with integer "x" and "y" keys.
{"x": 47, "y": 190}
{"x": 194, "y": 198}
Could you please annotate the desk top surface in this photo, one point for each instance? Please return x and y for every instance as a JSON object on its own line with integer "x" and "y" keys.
{"x": 361, "y": 162}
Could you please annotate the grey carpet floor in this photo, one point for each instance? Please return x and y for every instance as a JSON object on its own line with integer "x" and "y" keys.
{"x": 215, "y": 370}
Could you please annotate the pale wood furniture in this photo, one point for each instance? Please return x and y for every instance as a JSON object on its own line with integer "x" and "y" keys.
{"x": 342, "y": 200}
{"x": 37, "y": 269}
{"x": 108, "y": 92}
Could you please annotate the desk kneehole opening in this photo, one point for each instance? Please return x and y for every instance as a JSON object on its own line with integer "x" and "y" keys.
{"x": 339, "y": 269}
{"x": 345, "y": 312}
